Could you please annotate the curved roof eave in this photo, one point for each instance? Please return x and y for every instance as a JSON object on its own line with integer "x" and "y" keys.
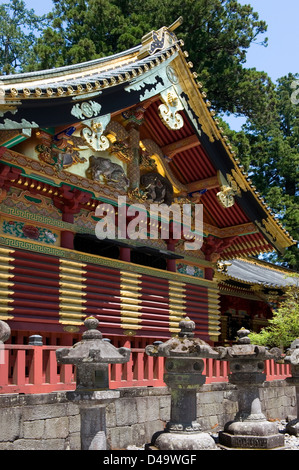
{"x": 252, "y": 271}
{"x": 91, "y": 64}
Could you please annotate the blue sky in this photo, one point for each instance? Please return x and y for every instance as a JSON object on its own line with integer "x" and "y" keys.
{"x": 282, "y": 54}
{"x": 278, "y": 59}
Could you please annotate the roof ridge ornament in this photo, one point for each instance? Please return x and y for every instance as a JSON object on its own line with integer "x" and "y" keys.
{"x": 158, "y": 40}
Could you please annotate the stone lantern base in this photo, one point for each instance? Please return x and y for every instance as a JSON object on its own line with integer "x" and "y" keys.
{"x": 182, "y": 441}
{"x": 251, "y": 435}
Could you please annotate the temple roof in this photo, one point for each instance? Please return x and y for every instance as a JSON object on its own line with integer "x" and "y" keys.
{"x": 253, "y": 271}
{"x": 192, "y": 148}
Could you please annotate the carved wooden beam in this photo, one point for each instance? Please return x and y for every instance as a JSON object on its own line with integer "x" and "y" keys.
{"x": 8, "y": 175}
{"x": 240, "y": 230}
{"x": 207, "y": 183}
{"x": 9, "y": 138}
{"x": 180, "y": 145}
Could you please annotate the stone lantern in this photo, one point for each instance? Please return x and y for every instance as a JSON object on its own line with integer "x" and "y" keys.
{"x": 293, "y": 359}
{"x": 5, "y": 333}
{"x": 250, "y": 428}
{"x": 92, "y": 356}
{"x": 183, "y": 375}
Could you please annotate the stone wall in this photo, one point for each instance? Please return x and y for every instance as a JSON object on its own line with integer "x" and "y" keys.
{"x": 51, "y": 422}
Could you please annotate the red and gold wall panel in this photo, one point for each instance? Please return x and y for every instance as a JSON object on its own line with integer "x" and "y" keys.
{"x": 55, "y": 292}
{"x": 29, "y": 287}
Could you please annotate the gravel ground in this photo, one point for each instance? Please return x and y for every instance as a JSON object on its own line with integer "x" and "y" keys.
{"x": 291, "y": 442}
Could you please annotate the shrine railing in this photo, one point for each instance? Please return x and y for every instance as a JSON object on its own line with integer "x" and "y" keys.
{"x": 34, "y": 369}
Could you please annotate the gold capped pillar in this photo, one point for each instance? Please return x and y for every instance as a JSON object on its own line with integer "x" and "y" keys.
{"x": 72, "y": 310}
{"x": 6, "y": 283}
{"x": 177, "y": 305}
{"x": 130, "y": 294}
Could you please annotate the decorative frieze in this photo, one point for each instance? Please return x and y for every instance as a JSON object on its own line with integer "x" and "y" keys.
{"x": 190, "y": 270}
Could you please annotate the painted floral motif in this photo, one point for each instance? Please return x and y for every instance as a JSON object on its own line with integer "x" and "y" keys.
{"x": 190, "y": 270}
{"x": 30, "y": 232}
{"x": 24, "y": 230}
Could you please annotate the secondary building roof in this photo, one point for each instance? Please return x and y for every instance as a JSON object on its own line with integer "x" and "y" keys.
{"x": 253, "y": 271}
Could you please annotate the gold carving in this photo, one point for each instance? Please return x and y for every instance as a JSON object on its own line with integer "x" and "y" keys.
{"x": 270, "y": 228}
{"x": 238, "y": 179}
{"x": 137, "y": 195}
{"x": 169, "y": 110}
{"x": 93, "y": 133}
{"x": 154, "y": 151}
{"x": 59, "y": 157}
{"x": 226, "y": 196}
{"x": 229, "y": 189}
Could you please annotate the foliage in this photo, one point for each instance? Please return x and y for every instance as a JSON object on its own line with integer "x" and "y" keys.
{"x": 283, "y": 327}
{"x": 269, "y": 151}
{"x": 217, "y": 34}
{"x": 79, "y": 31}
{"x": 18, "y": 29}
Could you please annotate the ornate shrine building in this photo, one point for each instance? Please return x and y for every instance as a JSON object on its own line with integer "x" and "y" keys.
{"x": 250, "y": 290}
{"x": 134, "y": 125}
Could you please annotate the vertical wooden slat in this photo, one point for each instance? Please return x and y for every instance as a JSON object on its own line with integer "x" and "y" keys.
{"x": 4, "y": 366}
{"x": 36, "y": 366}
{"x": 66, "y": 373}
{"x": 51, "y": 369}
{"x": 19, "y": 368}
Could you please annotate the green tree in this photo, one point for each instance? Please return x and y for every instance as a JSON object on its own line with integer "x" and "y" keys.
{"x": 217, "y": 35}
{"x": 79, "y": 30}
{"x": 269, "y": 151}
{"x": 18, "y": 29}
{"x": 283, "y": 328}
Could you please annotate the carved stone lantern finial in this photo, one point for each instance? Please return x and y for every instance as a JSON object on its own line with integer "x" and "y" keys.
{"x": 243, "y": 336}
{"x": 187, "y": 328}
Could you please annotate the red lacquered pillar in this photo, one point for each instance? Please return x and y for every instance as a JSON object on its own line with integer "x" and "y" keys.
{"x": 67, "y": 236}
{"x": 171, "y": 263}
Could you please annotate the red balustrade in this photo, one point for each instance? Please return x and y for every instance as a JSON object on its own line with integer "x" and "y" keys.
{"x": 276, "y": 371}
{"x": 34, "y": 369}
{"x": 216, "y": 371}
